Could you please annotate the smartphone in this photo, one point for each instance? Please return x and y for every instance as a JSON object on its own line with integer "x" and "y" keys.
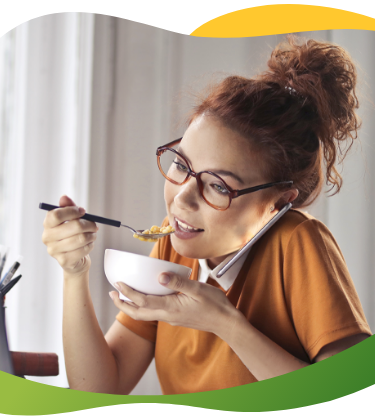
{"x": 253, "y": 240}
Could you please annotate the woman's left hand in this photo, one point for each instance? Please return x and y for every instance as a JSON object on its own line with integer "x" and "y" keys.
{"x": 197, "y": 305}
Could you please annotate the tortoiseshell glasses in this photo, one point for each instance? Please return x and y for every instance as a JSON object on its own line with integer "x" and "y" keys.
{"x": 213, "y": 189}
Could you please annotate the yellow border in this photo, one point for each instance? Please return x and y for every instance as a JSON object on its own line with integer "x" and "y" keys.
{"x": 280, "y": 19}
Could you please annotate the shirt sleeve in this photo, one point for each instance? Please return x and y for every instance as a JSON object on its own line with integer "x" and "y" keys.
{"x": 145, "y": 329}
{"x": 320, "y": 294}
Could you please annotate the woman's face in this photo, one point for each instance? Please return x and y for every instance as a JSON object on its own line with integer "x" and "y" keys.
{"x": 208, "y": 145}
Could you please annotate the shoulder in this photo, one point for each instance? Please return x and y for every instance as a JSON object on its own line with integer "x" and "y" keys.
{"x": 295, "y": 218}
{"x": 299, "y": 223}
{"x": 305, "y": 244}
{"x": 299, "y": 231}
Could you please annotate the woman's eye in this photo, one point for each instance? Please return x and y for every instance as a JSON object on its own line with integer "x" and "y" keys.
{"x": 220, "y": 189}
{"x": 180, "y": 166}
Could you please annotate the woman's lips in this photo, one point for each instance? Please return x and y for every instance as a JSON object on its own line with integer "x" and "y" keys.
{"x": 183, "y": 233}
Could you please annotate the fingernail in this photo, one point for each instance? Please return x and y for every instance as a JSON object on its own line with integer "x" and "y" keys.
{"x": 164, "y": 279}
{"x": 111, "y": 296}
{"x": 81, "y": 211}
{"x": 117, "y": 286}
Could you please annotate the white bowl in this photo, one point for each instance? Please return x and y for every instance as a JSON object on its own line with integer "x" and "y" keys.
{"x": 140, "y": 272}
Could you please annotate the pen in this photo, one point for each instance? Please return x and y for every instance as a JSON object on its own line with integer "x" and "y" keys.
{"x": 5, "y": 289}
{"x": 7, "y": 278}
{"x": 3, "y": 259}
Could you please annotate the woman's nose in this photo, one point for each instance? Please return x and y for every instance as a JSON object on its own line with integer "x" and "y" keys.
{"x": 188, "y": 196}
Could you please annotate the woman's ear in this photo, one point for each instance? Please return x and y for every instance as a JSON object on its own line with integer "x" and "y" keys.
{"x": 286, "y": 197}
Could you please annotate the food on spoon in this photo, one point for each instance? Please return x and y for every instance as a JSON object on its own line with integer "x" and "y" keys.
{"x": 155, "y": 230}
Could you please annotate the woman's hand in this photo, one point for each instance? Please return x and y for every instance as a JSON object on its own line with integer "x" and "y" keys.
{"x": 68, "y": 238}
{"x": 198, "y": 305}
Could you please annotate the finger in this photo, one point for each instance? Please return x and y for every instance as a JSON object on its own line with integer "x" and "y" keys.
{"x": 137, "y": 313}
{"x": 68, "y": 229}
{"x": 115, "y": 294}
{"x": 140, "y": 299}
{"x": 129, "y": 302}
{"x": 57, "y": 216}
{"x": 72, "y": 243}
{"x": 177, "y": 283}
{"x": 125, "y": 306}
{"x": 66, "y": 201}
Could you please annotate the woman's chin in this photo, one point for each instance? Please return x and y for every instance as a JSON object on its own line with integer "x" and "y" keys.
{"x": 188, "y": 250}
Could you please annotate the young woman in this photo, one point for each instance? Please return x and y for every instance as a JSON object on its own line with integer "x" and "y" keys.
{"x": 290, "y": 300}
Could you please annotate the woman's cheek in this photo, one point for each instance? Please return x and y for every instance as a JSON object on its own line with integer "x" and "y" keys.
{"x": 241, "y": 227}
{"x": 168, "y": 195}
{"x": 166, "y": 192}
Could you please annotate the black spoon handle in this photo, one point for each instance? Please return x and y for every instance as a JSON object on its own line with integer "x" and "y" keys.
{"x": 87, "y": 216}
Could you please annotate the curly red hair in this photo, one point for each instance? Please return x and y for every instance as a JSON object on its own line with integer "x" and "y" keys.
{"x": 297, "y": 114}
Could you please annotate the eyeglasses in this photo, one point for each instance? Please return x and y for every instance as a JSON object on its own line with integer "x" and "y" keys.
{"x": 215, "y": 192}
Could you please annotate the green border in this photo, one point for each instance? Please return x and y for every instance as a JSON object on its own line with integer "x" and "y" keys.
{"x": 345, "y": 373}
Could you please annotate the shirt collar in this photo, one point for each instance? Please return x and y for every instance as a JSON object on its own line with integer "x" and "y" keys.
{"x": 228, "y": 278}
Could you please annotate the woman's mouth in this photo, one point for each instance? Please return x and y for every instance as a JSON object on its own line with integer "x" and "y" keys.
{"x": 185, "y": 231}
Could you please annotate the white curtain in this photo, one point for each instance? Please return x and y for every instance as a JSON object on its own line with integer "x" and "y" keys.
{"x": 47, "y": 155}
{"x": 95, "y": 96}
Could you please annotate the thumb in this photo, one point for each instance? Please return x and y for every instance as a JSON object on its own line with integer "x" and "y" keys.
{"x": 177, "y": 283}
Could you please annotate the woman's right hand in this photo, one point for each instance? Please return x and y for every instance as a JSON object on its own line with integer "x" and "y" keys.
{"x": 68, "y": 238}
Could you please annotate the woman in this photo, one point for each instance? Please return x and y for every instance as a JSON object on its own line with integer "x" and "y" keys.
{"x": 289, "y": 301}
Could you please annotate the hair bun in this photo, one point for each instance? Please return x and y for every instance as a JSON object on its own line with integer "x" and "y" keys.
{"x": 324, "y": 76}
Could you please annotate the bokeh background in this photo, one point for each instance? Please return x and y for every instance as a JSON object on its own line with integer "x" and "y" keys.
{"x": 84, "y": 102}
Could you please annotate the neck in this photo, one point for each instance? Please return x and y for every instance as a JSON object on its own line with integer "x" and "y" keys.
{"x": 214, "y": 262}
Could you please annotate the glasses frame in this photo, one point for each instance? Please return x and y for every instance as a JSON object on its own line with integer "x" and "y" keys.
{"x": 232, "y": 192}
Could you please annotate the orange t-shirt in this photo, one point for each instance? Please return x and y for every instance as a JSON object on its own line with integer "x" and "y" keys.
{"x": 294, "y": 287}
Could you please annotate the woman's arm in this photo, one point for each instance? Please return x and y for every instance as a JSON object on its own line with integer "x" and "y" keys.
{"x": 204, "y": 307}
{"x": 93, "y": 363}
{"x": 113, "y": 364}
{"x": 264, "y": 358}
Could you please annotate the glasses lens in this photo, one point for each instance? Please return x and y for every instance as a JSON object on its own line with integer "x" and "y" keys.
{"x": 215, "y": 191}
{"x": 173, "y": 166}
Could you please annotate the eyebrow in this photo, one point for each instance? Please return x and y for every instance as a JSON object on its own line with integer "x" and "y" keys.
{"x": 218, "y": 172}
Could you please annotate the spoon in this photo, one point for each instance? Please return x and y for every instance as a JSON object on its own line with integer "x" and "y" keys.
{"x": 111, "y": 222}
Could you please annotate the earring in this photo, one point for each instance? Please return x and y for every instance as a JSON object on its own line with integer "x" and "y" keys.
{"x": 272, "y": 208}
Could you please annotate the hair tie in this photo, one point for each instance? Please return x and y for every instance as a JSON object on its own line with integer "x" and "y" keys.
{"x": 294, "y": 92}
{"x": 291, "y": 90}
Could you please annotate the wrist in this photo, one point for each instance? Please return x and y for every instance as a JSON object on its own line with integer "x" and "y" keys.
{"x": 227, "y": 327}
{"x": 76, "y": 287}
{"x": 81, "y": 277}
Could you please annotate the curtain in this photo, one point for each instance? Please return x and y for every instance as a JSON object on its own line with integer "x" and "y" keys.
{"x": 95, "y": 96}
{"x": 46, "y": 156}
